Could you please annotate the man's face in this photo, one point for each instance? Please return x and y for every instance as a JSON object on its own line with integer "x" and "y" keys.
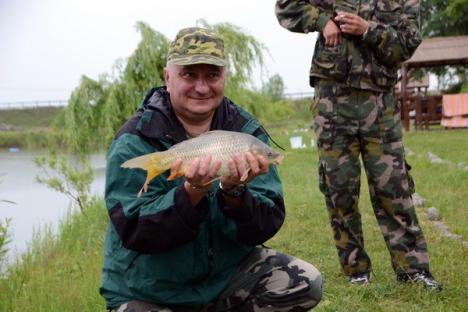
{"x": 195, "y": 90}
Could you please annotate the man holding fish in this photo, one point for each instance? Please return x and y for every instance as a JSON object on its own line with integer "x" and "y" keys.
{"x": 186, "y": 232}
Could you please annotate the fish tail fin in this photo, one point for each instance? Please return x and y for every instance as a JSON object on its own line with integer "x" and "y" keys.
{"x": 151, "y": 163}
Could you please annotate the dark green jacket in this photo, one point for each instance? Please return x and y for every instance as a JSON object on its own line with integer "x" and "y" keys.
{"x": 370, "y": 62}
{"x": 161, "y": 249}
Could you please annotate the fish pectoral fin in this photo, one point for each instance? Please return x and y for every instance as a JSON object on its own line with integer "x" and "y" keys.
{"x": 245, "y": 175}
{"x": 176, "y": 174}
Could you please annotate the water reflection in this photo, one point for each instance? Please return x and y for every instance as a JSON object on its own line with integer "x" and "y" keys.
{"x": 35, "y": 204}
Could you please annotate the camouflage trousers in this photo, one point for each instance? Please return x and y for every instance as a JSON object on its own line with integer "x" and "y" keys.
{"x": 349, "y": 124}
{"x": 266, "y": 281}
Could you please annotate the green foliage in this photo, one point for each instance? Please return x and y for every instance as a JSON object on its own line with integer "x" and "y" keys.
{"x": 446, "y": 18}
{"x": 27, "y": 138}
{"x": 27, "y": 128}
{"x": 5, "y": 238}
{"x": 59, "y": 272}
{"x": 28, "y": 118}
{"x": 81, "y": 117}
{"x": 274, "y": 87}
{"x": 145, "y": 66}
{"x": 71, "y": 177}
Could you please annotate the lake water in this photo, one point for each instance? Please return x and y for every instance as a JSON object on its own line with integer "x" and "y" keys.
{"x": 35, "y": 205}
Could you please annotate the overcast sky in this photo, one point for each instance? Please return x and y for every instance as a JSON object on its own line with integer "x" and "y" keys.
{"x": 47, "y": 45}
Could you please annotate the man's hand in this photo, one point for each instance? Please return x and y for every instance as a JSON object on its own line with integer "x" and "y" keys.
{"x": 332, "y": 34}
{"x": 240, "y": 172}
{"x": 201, "y": 171}
{"x": 351, "y": 24}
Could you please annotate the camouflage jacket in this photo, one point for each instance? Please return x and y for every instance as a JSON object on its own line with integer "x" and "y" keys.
{"x": 364, "y": 62}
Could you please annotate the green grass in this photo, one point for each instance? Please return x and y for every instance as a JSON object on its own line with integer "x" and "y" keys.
{"x": 63, "y": 273}
{"x": 59, "y": 273}
{"x": 29, "y": 118}
{"x": 27, "y": 128}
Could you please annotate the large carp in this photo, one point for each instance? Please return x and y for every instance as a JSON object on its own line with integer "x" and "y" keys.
{"x": 220, "y": 144}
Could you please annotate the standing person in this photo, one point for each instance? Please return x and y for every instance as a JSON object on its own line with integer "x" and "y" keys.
{"x": 185, "y": 245}
{"x": 359, "y": 49}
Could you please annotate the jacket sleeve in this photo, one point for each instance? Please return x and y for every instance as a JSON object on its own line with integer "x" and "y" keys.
{"x": 262, "y": 214}
{"x": 159, "y": 220}
{"x": 395, "y": 35}
{"x": 304, "y": 16}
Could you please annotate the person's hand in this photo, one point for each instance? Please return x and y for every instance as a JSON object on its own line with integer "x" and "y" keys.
{"x": 200, "y": 173}
{"x": 244, "y": 169}
{"x": 351, "y": 24}
{"x": 332, "y": 34}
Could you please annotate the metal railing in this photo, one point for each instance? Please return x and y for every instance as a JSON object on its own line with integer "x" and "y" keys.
{"x": 298, "y": 95}
{"x": 32, "y": 104}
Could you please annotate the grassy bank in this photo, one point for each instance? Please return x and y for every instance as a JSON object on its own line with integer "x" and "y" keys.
{"x": 27, "y": 128}
{"x": 63, "y": 273}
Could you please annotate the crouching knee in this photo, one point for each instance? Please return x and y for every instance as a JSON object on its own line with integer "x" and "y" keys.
{"x": 295, "y": 287}
{"x": 315, "y": 287}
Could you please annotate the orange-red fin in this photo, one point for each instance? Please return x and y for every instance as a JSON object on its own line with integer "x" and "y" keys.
{"x": 176, "y": 174}
{"x": 151, "y": 163}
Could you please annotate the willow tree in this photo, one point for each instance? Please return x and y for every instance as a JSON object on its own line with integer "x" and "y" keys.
{"x": 97, "y": 109}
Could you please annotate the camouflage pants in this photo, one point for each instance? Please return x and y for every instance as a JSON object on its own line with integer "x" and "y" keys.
{"x": 266, "y": 281}
{"x": 350, "y": 123}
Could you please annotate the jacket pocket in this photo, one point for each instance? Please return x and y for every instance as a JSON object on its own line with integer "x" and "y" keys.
{"x": 390, "y": 118}
{"x": 329, "y": 62}
{"x": 382, "y": 75}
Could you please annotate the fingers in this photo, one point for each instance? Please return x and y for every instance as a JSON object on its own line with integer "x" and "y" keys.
{"x": 176, "y": 165}
{"x": 258, "y": 164}
{"x": 202, "y": 171}
{"x": 351, "y": 23}
{"x": 244, "y": 169}
{"x": 332, "y": 34}
{"x": 237, "y": 167}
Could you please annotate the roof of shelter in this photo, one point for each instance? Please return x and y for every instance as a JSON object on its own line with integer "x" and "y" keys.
{"x": 439, "y": 51}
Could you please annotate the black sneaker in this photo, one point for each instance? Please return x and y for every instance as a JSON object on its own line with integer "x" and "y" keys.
{"x": 424, "y": 278}
{"x": 360, "y": 279}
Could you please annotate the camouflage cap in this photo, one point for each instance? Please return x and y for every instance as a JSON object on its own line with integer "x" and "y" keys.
{"x": 197, "y": 46}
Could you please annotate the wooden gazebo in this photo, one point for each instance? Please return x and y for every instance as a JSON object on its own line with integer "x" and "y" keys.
{"x": 433, "y": 52}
